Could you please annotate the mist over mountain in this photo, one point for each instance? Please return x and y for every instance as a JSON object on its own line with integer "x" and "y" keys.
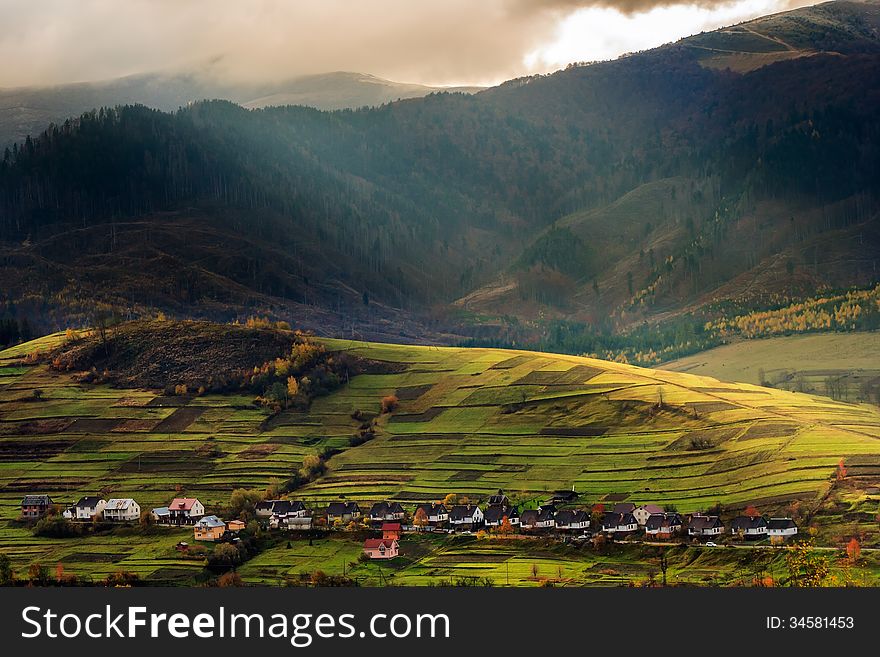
{"x": 28, "y": 110}
{"x": 729, "y": 166}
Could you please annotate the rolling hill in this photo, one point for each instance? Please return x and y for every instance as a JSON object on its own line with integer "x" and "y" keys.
{"x": 468, "y": 421}
{"x": 840, "y": 365}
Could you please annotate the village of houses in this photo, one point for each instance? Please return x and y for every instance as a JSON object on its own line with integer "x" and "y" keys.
{"x": 559, "y": 518}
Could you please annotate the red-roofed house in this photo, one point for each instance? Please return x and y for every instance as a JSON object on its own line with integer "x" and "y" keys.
{"x": 185, "y": 511}
{"x": 391, "y": 531}
{"x": 381, "y": 548}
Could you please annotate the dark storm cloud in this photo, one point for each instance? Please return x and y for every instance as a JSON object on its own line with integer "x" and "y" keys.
{"x": 449, "y": 41}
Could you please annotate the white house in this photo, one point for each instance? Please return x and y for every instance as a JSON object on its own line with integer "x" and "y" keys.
{"x": 663, "y": 525}
{"x": 496, "y": 513}
{"x": 87, "y": 508}
{"x": 465, "y": 515}
{"x": 642, "y": 513}
{"x": 572, "y": 519}
{"x": 122, "y": 509}
{"x": 619, "y": 523}
{"x": 185, "y": 510}
{"x": 749, "y": 526}
{"x": 781, "y": 527}
{"x": 436, "y": 513}
{"x": 703, "y": 525}
{"x": 386, "y": 511}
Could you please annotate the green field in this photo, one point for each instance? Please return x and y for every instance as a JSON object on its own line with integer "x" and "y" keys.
{"x": 469, "y": 421}
{"x": 845, "y": 365}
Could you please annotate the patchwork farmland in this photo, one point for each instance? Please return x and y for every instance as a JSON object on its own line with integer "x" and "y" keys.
{"x": 468, "y": 421}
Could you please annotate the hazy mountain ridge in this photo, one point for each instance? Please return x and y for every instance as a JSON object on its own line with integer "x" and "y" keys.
{"x": 428, "y": 200}
{"x": 28, "y": 110}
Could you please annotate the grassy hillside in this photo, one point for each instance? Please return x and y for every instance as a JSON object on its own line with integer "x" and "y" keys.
{"x": 468, "y": 421}
{"x": 848, "y": 362}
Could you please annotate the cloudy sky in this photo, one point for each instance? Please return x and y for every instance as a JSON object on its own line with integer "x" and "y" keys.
{"x": 428, "y": 41}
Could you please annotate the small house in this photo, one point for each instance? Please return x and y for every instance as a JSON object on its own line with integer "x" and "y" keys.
{"x": 35, "y": 506}
{"x": 381, "y": 548}
{"x": 185, "y": 510}
{"x": 263, "y": 509}
{"x": 235, "y": 526}
{"x": 663, "y": 525}
{"x": 499, "y": 498}
{"x": 703, "y": 525}
{"x": 284, "y": 510}
{"x": 563, "y": 496}
{"x": 122, "y": 509}
{"x": 391, "y": 531}
{"x": 752, "y": 527}
{"x": 781, "y": 528}
{"x": 624, "y": 507}
{"x": 297, "y": 523}
{"x": 86, "y": 508}
{"x": 437, "y": 514}
{"x": 572, "y": 519}
{"x": 386, "y": 511}
{"x": 343, "y": 512}
{"x": 209, "y": 528}
{"x": 544, "y": 517}
{"x": 465, "y": 516}
{"x": 642, "y": 513}
{"x": 496, "y": 513}
{"x": 161, "y": 515}
{"x": 619, "y": 523}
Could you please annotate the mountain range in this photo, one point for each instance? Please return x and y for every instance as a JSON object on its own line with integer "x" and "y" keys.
{"x": 727, "y": 168}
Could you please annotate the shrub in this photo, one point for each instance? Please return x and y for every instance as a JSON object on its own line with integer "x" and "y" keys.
{"x": 390, "y": 403}
{"x": 56, "y": 527}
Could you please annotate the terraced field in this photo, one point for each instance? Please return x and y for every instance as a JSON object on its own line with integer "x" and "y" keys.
{"x": 473, "y": 420}
{"x": 469, "y": 421}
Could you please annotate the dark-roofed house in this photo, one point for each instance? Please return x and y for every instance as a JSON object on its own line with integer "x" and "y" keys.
{"x": 291, "y": 514}
{"x": 499, "y": 498}
{"x": 381, "y": 548}
{"x": 465, "y": 516}
{"x": 663, "y": 525}
{"x": 619, "y": 523}
{"x": 544, "y": 517}
{"x": 528, "y": 519}
{"x": 563, "y": 496}
{"x": 703, "y": 525}
{"x": 343, "y": 511}
{"x": 386, "y": 511}
{"x": 624, "y": 507}
{"x": 263, "y": 509}
{"x": 781, "y": 528}
{"x": 642, "y": 513}
{"x": 749, "y": 527}
{"x": 34, "y": 506}
{"x": 496, "y": 513}
{"x": 87, "y": 508}
{"x": 437, "y": 514}
{"x": 573, "y": 519}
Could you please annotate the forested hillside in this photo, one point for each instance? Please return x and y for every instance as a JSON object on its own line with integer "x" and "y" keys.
{"x": 610, "y": 193}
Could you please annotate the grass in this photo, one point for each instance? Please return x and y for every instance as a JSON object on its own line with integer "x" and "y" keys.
{"x": 469, "y": 421}
{"x": 800, "y": 363}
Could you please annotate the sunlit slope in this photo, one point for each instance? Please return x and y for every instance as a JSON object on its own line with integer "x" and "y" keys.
{"x": 469, "y": 421}
{"x": 472, "y": 420}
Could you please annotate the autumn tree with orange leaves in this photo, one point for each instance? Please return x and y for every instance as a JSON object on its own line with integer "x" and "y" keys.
{"x": 853, "y": 550}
